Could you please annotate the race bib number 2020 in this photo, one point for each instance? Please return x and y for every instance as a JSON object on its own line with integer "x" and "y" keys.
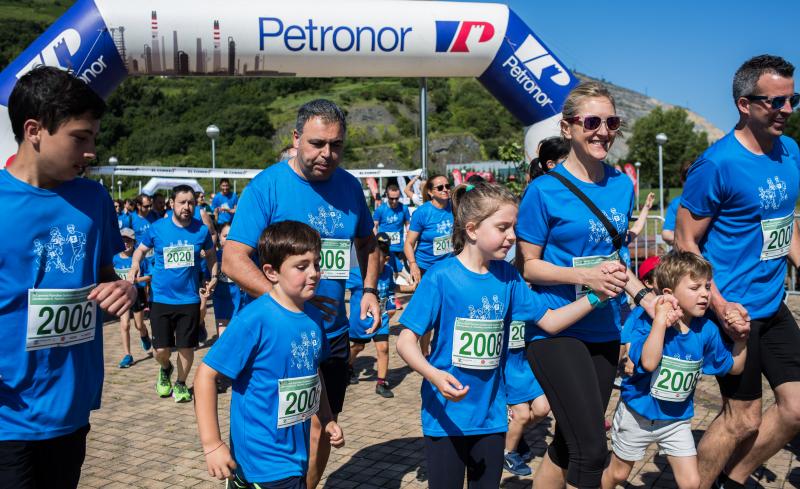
{"x": 59, "y": 317}
{"x": 179, "y": 256}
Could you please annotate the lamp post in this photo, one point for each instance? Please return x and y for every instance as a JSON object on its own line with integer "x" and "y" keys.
{"x": 113, "y": 162}
{"x": 119, "y": 189}
{"x": 638, "y": 164}
{"x": 212, "y": 132}
{"x": 661, "y": 140}
{"x": 380, "y": 179}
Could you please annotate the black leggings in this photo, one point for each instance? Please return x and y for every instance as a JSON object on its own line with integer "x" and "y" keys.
{"x": 577, "y": 379}
{"x": 448, "y": 457}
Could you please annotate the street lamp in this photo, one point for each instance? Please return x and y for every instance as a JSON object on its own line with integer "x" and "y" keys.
{"x": 380, "y": 179}
{"x": 113, "y": 162}
{"x": 212, "y": 132}
{"x": 661, "y": 140}
{"x": 119, "y": 189}
{"x": 638, "y": 164}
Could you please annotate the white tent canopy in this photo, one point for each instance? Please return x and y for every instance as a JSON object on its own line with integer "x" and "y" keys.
{"x": 159, "y": 183}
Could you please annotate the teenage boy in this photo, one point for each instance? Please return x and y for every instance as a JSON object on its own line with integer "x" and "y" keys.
{"x": 669, "y": 353}
{"x": 122, "y": 266}
{"x": 175, "y": 314}
{"x": 56, "y": 275}
{"x": 271, "y": 351}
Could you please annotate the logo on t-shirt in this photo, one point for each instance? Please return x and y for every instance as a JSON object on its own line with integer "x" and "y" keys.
{"x": 327, "y": 221}
{"x": 488, "y": 310}
{"x": 392, "y": 218}
{"x": 305, "y": 355}
{"x": 598, "y": 232}
{"x": 61, "y": 252}
{"x": 775, "y": 193}
{"x": 444, "y": 227}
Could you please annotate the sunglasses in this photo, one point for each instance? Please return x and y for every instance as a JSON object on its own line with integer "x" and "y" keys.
{"x": 592, "y": 122}
{"x": 442, "y": 187}
{"x": 777, "y": 103}
{"x": 392, "y": 199}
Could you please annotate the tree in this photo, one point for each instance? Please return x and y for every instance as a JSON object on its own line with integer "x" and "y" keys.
{"x": 684, "y": 143}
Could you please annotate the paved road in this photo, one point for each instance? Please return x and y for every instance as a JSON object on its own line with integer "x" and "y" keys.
{"x": 140, "y": 440}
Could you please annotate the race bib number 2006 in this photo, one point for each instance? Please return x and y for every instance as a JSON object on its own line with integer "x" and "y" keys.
{"x": 335, "y": 258}
{"x": 777, "y": 237}
{"x": 477, "y": 343}
{"x": 59, "y": 317}
{"x": 298, "y": 399}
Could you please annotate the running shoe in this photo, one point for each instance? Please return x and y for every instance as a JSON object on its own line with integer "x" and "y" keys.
{"x": 524, "y": 450}
{"x": 146, "y": 343}
{"x": 163, "y": 382}
{"x": 181, "y": 393}
{"x": 383, "y": 391}
{"x": 353, "y": 377}
{"x": 513, "y": 463}
{"x": 126, "y": 362}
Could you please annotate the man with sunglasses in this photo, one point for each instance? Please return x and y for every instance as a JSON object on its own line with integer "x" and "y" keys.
{"x": 737, "y": 210}
{"x": 392, "y": 218}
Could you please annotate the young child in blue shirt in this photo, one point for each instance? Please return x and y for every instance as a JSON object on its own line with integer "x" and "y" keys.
{"x": 669, "y": 353}
{"x": 271, "y": 351}
{"x": 122, "y": 266}
{"x": 469, "y": 300}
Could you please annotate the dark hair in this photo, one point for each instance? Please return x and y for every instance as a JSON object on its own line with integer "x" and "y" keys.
{"x": 130, "y": 201}
{"x": 553, "y": 148}
{"x": 287, "y": 238}
{"x": 181, "y": 189}
{"x": 475, "y": 178}
{"x": 685, "y": 170}
{"x": 391, "y": 188}
{"x": 426, "y": 190}
{"x": 141, "y": 197}
{"x": 322, "y": 108}
{"x": 51, "y": 96}
{"x": 384, "y": 242}
{"x": 746, "y": 77}
{"x": 475, "y": 203}
{"x": 224, "y": 180}
{"x": 677, "y": 264}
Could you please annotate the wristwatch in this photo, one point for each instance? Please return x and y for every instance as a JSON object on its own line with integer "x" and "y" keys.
{"x": 640, "y": 295}
{"x": 370, "y": 290}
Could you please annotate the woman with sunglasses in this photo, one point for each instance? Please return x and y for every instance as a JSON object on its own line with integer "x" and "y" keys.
{"x": 566, "y": 253}
{"x": 428, "y": 240}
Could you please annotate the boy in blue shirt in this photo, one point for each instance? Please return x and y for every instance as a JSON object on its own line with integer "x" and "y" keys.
{"x": 271, "y": 351}
{"x": 122, "y": 266}
{"x": 224, "y": 203}
{"x": 669, "y": 353}
{"x": 55, "y": 275}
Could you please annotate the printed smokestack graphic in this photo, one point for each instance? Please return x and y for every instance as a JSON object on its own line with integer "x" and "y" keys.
{"x": 231, "y": 55}
{"x": 156, "y": 51}
{"x": 217, "y": 62}
{"x": 200, "y": 60}
{"x": 175, "y": 61}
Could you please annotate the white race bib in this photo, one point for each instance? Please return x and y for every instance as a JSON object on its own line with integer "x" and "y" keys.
{"x": 60, "y": 317}
{"x": 442, "y": 245}
{"x": 122, "y": 273}
{"x": 394, "y": 237}
{"x": 675, "y": 380}
{"x": 777, "y": 237}
{"x": 589, "y": 262}
{"x": 516, "y": 338}
{"x": 179, "y": 256}
{"x": 298, "y": 399}
{"x": 335, "y": 258}
{"x": 477, "y": 343}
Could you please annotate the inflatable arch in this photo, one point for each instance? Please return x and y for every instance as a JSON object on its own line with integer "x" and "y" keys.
{"x": 104, "y": 41}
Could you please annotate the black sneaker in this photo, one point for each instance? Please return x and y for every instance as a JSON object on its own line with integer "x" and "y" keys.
{"x": 353, "y": 377}
{"x": 383, "y": 391}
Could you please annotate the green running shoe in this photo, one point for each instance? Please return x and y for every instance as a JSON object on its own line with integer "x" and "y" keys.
{"x": 163, "y": 383}
{"x": 181, "y": 393}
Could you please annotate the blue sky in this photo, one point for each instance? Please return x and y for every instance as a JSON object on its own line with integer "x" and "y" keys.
{"x": 680, "y": 52}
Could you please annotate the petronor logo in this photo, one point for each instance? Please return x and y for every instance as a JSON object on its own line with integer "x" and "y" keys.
{"x": 536, "y": 58}
{"x": 456, "y": 36}
{"x": 58, "y": 53}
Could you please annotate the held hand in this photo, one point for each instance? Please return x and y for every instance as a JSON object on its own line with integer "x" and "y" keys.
{"x": 650, "y": 300}
{"x": 371, "y": 307}
{"x": 648, "y": 203}
{"x": 449, "y": 386}
{"x": 736, "y": 320}
{"x": 608, "y": 279}
{"x": 114, "y": 297}
{"x": 335, "y": 434}
{"x": 666, "y": 311}
{"x": 629, "y": 366}
{"x": 133, "y": 274}
{"x": 326, "y": 305}
{"x": 219, "y": 462}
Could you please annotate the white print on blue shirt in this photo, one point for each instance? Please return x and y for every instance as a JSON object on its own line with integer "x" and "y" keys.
{"x": 598, "y": 232}
{"x": 444, "y": 227}
{"x": 488, "y": 311}
{"x": 775, "y": 193}
{"x": 327, "y": 221}
{"x": 305, "y": 354}
{"x": 53, "y": 253}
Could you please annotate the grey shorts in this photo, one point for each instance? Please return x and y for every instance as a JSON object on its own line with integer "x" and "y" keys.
{"x": 632, "y": 433}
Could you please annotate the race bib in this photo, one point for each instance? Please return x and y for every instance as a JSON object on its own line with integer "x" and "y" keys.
{"x": 122, "y": 273}
{"x": 777, "y": 237}
{"x": 59, "y": 317}
{"x": 516, "y": 338}
{"x": 394, "y": 237}
{"x": 335, "y": 258}
{"x": 675, "y": 380}
{"x": 298, "y": 399}
{"x": 477, "y": 343}
{"x": 179, "y": 256}
{"x": 589, "y": 262}
{"x": 442, "y": 245}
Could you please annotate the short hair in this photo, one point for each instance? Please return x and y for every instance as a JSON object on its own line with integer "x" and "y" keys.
{"x": 224, "y": 180}
{"x": 51, "y": 96}
{"x": 476, "y": 203}
{"x": 130, "y": 201}
{"x": 475, "y": 178}
{"x": 141, "y": 197}
{"x": 287, "y": 238}
{"x": 588, "y": 89}
{"x": 746, "y": 77}
{"x": 677, "y": 264}
{"x": 322, "y": 108}
{"x": 180, "y": 189}
{"x": 391, "y": 188}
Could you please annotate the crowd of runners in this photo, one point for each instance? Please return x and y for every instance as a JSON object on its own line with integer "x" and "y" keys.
{"x": 519, "y": 308}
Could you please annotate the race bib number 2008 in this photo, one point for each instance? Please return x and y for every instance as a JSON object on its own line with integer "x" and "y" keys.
{"x": 59, "y": 317}
{"x": 477, "y": 343}
{"x": 298, "y": 399}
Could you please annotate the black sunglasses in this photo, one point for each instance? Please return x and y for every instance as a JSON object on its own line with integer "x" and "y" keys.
{"x": 777, "y": 103}
{"x": 445, "y": 186}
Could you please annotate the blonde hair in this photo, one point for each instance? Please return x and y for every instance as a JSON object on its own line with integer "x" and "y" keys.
{"x": 475, "y": 203}
{"x": 588, "y": 89}
{"x": 677, "y": 264}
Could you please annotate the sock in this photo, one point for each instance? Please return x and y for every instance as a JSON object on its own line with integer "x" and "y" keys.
{"x": 381, "y": 381}
{"x": 723, "y": 482}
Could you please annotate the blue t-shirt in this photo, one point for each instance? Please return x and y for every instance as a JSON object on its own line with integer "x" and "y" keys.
{"x": 335, "y": 208}
{"x": 386, "y": 286}
{"x": 56, "y": 239}
{"x": 552, "y": 217}
{"x": 672, "y": 214}
{"x": 124, "y": 220}
{"x": 637, "y": 315}
{"x": 701, "y": 343}
{"x": 222, "y": 201}
{"x": 750, "y": 199}
{"x": 176, "y": 274}
{"x": 435, "y": 227}
{"x": 264, "y": 344}
{"x": 449, "y": 291}
{"x": 140, "y": 225}
{"x": 122, "y": 265}
{"x": 392, "y": 222}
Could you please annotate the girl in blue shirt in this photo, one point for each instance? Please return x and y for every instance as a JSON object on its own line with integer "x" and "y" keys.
{"x": 470, "y": 300}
